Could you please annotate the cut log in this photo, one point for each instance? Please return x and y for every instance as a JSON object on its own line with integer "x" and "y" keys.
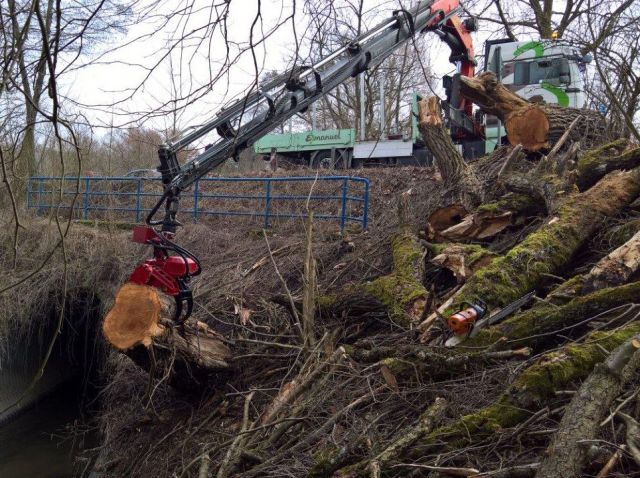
{"x": 140, "y": 325}
{"x": 548, "y": 249}
{"x": 530, "y": 391}
{"x": 533, "y": 125}
{"x": 400, "y": 294}
{"x": 597, "y": 162}
{"x": 456, "y": 174}
{"x": 581, "y": 420}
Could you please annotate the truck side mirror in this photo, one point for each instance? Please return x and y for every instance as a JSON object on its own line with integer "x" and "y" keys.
{"x": 564, "y": 79}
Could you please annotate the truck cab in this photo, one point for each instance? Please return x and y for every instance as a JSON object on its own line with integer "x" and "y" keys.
{"x": 548, "y": 71}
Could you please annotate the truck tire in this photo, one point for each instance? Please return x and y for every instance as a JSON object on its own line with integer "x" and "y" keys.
{"x": 322, "y": 160}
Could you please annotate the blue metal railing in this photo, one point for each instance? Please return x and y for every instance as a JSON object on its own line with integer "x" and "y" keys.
{"x": 133, "y": 198}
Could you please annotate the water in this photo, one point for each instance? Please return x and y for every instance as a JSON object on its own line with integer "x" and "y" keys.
{"x": 38, "y": 443}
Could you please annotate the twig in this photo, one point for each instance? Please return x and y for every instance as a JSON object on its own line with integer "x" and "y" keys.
{"x": 509, "y": 160}
{"x": 563, "y": 138}
{"x": 611, "y": 462}
{"x": 447, "y": 470}
{"x": 309, "y": 291}
{"x": 632, "y": 436}
{"x": 520, "y": 471}
{"x": 620, "y": 407}
{"x": 203, "y": 472}
{"x": 292, "y": 303}
{"x": 222, "y": 471}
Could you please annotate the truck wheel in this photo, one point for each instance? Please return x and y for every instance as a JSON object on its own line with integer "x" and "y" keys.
{"x": 322, "y": 160}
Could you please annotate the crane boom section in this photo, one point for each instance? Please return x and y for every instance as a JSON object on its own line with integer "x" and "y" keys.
{"x": 255, "y": 115}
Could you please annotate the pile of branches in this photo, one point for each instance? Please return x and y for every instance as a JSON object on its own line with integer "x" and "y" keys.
{"x": 347, "y": 366}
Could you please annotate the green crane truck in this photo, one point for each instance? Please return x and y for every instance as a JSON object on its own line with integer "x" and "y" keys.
{"x": 547, "y": 70}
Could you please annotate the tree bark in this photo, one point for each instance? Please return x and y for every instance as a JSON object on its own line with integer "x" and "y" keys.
{"x": 581, "y": 420}
{"x": 456, "y": 174}
{"x": 594, "y": 164}
{"x": 530, "y": 391}
{"x": 140, "y": 325}
{"x": 548, "y": 250}
{"x": 533, "y": 125}
{"x": 400, "y": 294}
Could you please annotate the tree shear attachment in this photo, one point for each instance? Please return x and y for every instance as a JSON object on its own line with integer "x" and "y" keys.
{"x": 170, "y": 269}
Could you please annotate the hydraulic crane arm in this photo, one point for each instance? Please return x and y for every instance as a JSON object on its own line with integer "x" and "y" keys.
{"x": 253, "y": 116}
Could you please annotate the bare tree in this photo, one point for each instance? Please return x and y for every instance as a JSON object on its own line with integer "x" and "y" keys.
{"x": 332, "y": 25}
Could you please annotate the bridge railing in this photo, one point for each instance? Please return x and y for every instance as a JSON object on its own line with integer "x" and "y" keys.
{"x": 342, "y": 199}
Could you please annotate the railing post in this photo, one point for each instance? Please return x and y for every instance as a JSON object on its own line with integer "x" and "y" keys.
{"x": 343, "y": 212}
{"x": 138, "y": 191}
{"x": 196, "y": 193}
{"x": 29, "y": 192}
{"x": 365, "y": 213}
{"x": 40, "y": 191}
{"x": 267, "y": 205}
{"x": 87, "y": 186}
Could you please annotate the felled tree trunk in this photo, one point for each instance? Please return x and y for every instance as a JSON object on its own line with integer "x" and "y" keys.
{"x": 399, "y": 294}
{"x": 548, "y": 249}
{"x": 597, "y": 162}
{"x": 534, "y": 126}
{"x": 537, "y": 326}
{"x": 581, "y": 420}
{"x": 456, "y": 174}
{"x": 528, "y": 393}
{"x": 140, "y": 325}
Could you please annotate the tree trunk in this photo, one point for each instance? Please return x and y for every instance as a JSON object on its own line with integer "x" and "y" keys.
{"x": 534, "y": 126}
{"x": 400, "y": 294}
{"x": 594, "y": 164}
{"x": 455, "y": 173}
{"x": 530, "y": 391}
{"x": 565, "y": 456}
{"x": 548, "y": 250}
{"x": 140, "y": 325}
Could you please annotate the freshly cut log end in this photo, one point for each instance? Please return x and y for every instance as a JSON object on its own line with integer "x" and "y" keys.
{"x": 529, "y": 127}
{"x": 139, "y": 325}
{"x": 533, "y": 125}
{"x": 134, "y": 318}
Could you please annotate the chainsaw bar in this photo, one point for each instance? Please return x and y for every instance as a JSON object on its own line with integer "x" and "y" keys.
{"x": 502, "y": 313}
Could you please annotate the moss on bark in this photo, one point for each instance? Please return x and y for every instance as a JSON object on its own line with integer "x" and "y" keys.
{"x": 597, "y": 162}
{"x": 402, "y": 291}
{"x": 548, "y": 249}
{"x": 516, "y": 203}
{"x": 529, "y": 392}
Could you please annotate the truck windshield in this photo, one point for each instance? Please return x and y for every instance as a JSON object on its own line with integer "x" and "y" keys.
{"x": 547, "y": 70}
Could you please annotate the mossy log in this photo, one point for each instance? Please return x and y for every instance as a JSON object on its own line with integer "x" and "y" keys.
{"x": 401, "y": 293}
{"x": 532, "y": 125}
{"x": 597, "y": 162}
{"x": 528, "y": 393}
{"x": 140, "y": 325}
{"x": 533, "y": 327}
{"x": 581, "y": 420}
{"x": 455, "y": 172}
{"x": 549, "y": 249}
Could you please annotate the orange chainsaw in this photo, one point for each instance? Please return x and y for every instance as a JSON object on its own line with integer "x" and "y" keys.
{"x": 472, "y": 315}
